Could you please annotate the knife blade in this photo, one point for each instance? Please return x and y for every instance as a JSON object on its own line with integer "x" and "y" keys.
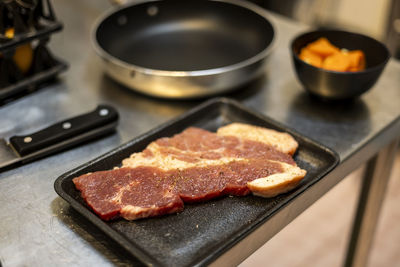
{"x": 57, "y": 137}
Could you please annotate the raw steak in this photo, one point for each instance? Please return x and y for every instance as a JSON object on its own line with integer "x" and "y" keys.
{"x": 195, "y": 165}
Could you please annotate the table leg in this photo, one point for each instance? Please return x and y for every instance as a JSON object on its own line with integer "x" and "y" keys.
{"x": 374, "y": 184}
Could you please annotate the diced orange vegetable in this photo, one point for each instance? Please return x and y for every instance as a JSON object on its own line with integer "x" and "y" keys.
{"x": 321, "y": 53}
{"x": 354, "y": 69}
{"x": 357, "y": 59}
{"x": 311, "y": 58}
{"x": 337, "y": 62}
{"x": 322, "y": 47}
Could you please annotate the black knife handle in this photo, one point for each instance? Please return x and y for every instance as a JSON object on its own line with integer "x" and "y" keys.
{"x": 64, "y": 130}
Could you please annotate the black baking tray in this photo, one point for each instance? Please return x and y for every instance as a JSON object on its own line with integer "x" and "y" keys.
{"x": 204, "y": 231}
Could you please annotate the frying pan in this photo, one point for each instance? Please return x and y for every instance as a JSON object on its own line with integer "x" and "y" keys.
{"x": 184, "y": 48}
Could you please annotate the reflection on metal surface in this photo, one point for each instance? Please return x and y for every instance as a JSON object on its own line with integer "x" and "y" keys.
{"x": 23, "y": 121}
{"x": 160, "y": 108}
{"x": 7, "y": 154}
{"x": 346, "y": 114}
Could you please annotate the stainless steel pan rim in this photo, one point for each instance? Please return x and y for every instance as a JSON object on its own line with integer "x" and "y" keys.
{"x": 113, "y": 61}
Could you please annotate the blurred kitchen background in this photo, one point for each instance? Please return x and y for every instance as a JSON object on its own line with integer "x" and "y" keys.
{"x": 377, "y": 18}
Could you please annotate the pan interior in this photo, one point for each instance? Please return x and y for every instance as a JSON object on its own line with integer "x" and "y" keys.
{"x": 184, "y": 35}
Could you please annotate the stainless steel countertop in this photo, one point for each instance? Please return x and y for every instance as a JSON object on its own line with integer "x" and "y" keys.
{"x": 37, "y": 228}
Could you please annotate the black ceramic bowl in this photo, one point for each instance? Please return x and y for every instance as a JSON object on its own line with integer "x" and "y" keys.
{"x": 340, "y": 85}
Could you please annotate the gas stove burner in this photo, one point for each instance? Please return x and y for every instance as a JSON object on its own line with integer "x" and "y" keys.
{"x": 25, "y": 16}
{"x": 25, "y": 60}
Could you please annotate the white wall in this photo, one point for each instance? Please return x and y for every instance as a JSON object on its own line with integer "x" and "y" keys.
{"x": 364, "y": 16}
{"x": 370, "y": 16}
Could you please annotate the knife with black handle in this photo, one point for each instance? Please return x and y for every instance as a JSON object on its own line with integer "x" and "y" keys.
{"x": 57, "y": 137}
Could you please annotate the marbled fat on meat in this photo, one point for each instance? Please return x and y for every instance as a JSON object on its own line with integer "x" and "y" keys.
{"x": 195, "y": 165}
{"x": 119, "y": 192}
{"x": 194, "y": 144}
{"x": 140, "y": 192}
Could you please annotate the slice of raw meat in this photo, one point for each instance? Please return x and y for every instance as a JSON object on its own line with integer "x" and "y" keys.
{"x": 283, "y": 142}
{"x": 196, "y": 147}
{"x": 129, "y": 193}
{"x": 140, "y": 192}
{"x": 195, "y": 165}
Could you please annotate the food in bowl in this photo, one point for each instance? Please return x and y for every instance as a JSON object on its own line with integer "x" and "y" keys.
{"x": 323, "y": 54}
{"x": 339, "y": 85}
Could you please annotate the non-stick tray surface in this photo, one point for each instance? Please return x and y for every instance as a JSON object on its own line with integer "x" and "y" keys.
{"x": 202, "y": 232}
